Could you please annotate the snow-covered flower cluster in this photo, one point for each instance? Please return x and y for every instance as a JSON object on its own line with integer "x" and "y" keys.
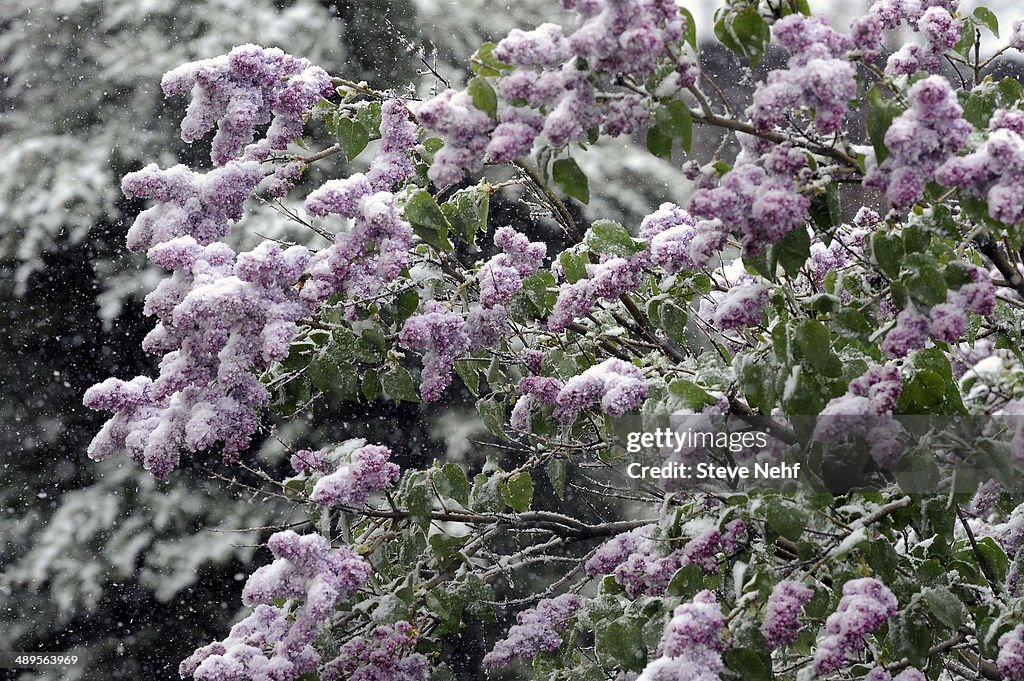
{"x": 995, "y": 170}
{"x": 818, "y": 76}
{"x": 642, "y": 566}
{"x": 502, "y": 276}
{"x": 866, "y": 604}
{"x": 919, "y": 140}
{"x": 759, "y": 200}
{"x": 305, "y": 570}
{"x": 618, "y": 385}
{"x": 1011, "y": 654}
{"x": 247, "y": 88}
{"x": 533, "y": 390}
{"x": 866, "y": 410}
{"x": 882, "y": 674}
{"x": 441, "y": 336}
{"x": 691, "y": 644}
{"x": 387, "y": 653}
{"x": 200, "y": 205}
{"x": 220, "y": 318}
{"x": 376, "y": 249}
{"x": 368, "y": 470}
{"x": 781, "y": 620}
{"x": 679, "y": 241}
{"x": 547, "y": 74}
{"x": 947, "y": 321}
{"x": 941, "y": 32}
{"x": 742, "y": 305}
{"x": 537, "y": 630}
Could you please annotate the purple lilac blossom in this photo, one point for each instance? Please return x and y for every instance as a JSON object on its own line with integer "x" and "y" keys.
{"x": 866, "y": 604}
{"x": 941, "y": 32}
{"x": 781, "y": 621}
{"x": 1011, "y": 654}
{"x": 995, "y": 170}
{"x": 741, "y": 306}
{"x": 368, "y": 470}
{"x": 537, "y": 630}
{"x": 691, "y": 644}
{"x": 618, "y": 385}
{"x": 220, "y": 317}
{"x": 305, "y": 569}
{"x": 919, "y": 141}
{"x": 502, "y": 276}
{"x": 247, "y": 88}
{"x": 387, "y": 653}
{"x": 817, "y": 77}
{"x": 441, "y": 336}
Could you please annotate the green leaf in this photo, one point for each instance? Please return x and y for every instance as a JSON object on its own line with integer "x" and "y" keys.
{"x": 690, "y": 32}
{"x": 446, "y": 548}
{"x": 611, "y": 238}
{"x": 622, "y": 640}
{"x": 538, "y": 289}
{"x": 483, "y": 95}
{"x": 946, "y": 607}
{"x": 351, "y": 135}
{"x": 659, "y": 143}
{"x": 888, "y": 253}
{"x": 574, "y": 265}
{"x": 987, "y": 18}
{"x": 675, "y": 120}
{"x": 792, "y": 251}
{"x": 747, "y": 663}
{"x": 451, "y": 481}
{"x": 517, "y": 490}
{"x": 467, "y": 212}
{"x": 815, "y": 342}
{"x": 673, "y": 320}
{"x": 570, "y": 179}
{"x": 484, "y": 63}
{"x": 371, "y": 385}
{"x": 417, "y": 502}
{"x": 881, "y": 113}
{"x": 748, "y": 34}
{"x": 406, "y": 303}
{"x": 787, "y": 521}
{"x": 994, "y": 556}
{"x": 371, "y": 346}
{"x": 687, "y": 582}
{"x": 398, "y": 384}
{"x": 557, "y": 470}
{"x": 492, "y": 412}
{"x": 692, "y": 395}
{"x": 469, "y": 372}
{"x": 340, "y": 381}
{"x": 428, "y": 220}
{"x": 826, "y": 210}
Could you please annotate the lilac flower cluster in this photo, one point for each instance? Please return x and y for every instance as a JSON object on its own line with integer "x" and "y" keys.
{"x": 200, "y": 205}
{"x": 741, "y": 306}
{"x": 502, "y": 276}
{"x": 866, "y": 604}
{"x": 817, "y": 76}
{"x": 238, "y": 92}
{"x": 679, "y": 241}
{"x": 387, "y": 653}
{"x": 221, "y": 317}
{"x": 995, "y": 170}
{"x": 368, "y": 470}
{"x": 533, "y": 390}
{"x": 305, "y": 569}
{"x": 1011, "y": 654}
{"x": 376, "y": 249}
{"x": 941, "y": 32}
{"x": 537, "y": 630}
{"x": 919, "y": 140}
{"x": 867, "y": 410}
{"x": 691, "y": 644}
{"x": 641, "y": 566}
{"x": 443, "y": 336}
{"x": 1017, "y": 35}
{"x": 618, "y": 385}
{"x": 759, "y": 199}
{"x": 612, "y": 37}
{"x": 606, "y": 280}
{"x": 882, "y": 674}
{"x": 947, "y": 321}
{"x": 781, "y": 624}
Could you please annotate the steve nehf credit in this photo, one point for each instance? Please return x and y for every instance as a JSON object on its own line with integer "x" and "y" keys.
{"x": 667, "y": 440}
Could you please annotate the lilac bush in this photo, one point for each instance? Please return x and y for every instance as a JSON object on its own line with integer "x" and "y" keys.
{"x": 802, "y": 332}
